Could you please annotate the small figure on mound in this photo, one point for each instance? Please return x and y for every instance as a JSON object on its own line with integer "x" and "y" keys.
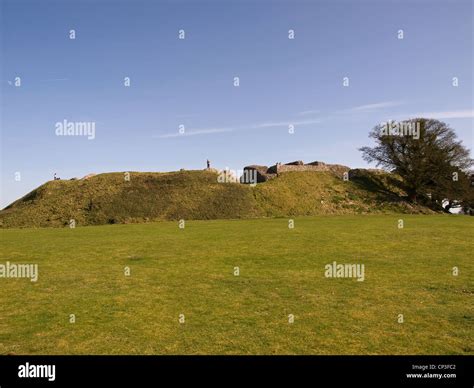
{"x": 208, "y": 164}
{"x": 56, "y": 178}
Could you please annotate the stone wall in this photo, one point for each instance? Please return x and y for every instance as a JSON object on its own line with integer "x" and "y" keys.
{"x": 262, "y": 174}
{"x": 298, "y": 166}
{"x": 265, "y": 173}
{"x": 305, "y": 167}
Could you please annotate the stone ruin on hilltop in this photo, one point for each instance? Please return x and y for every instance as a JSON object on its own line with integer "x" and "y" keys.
{"x": 264, "y": 173}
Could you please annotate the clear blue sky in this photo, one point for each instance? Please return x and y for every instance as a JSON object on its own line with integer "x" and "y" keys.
{"x": 190, "y": 81}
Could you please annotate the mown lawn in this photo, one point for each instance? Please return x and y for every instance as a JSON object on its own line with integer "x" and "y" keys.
{"x": 190, "y": 271}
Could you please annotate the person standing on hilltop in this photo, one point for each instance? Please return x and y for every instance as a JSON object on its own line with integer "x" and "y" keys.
{"x": 208, "y": 164}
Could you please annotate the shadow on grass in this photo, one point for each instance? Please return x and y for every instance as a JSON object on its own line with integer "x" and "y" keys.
{"x": 380, "y": 187}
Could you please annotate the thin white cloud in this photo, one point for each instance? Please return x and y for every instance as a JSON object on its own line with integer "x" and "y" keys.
{"x": 286, "y": 123}
{"x": 450, "y": 114}
{"x": 467, "y": 113}
{"x": 271, "y": 124}
{"x": 308, "y": 112}
{"x": 194, "y": 132}
{"x": 375, "y": 106}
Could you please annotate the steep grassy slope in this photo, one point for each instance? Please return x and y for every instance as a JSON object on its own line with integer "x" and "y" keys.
{"x": 109, "y": 198}
{"x": 313, "y": 193}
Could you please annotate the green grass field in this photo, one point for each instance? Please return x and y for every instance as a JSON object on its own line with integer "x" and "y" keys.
{"x": 191, "y": 271}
